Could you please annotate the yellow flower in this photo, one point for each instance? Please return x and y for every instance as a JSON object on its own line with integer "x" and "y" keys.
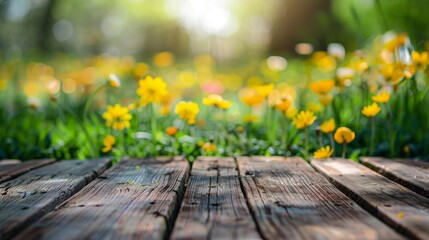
{"x": 141, "y": 69}
{"x": 217, "y": 101}
{"x": 224, "y": 104}
{"x": 151, "y": 90}
{"x": 250, "y": 96}
{"x": 397, "y": 41}
{"x": 381, "y": 97}
{"x": 420, "y": 60}
{"x": 108, "y": 142}
{"x": 187, "y": 111}
{"x": 209, "y": 147}
{"x": 264, "y": 90}
{"x": 392, "y": 74}
{"x": 328, "y": 126}
{"x": 171, "y": 131}
{"x": 212, "y": 100}
{"x": 322, "y": 60}
{"x": 304, "y": 119}
{"x": 114, "y": 80}
{"x": 283, "y": 104}
{"x": 326, "y": 99}
{"x": 117, "y": 117}
{"x": 163, "y": 59}
{"x": 323, "y": 152}
{"x": 344, "y": 135}
{"x": 291, "y": 112}
{"x": 371, "y": 110}
{"x": 322, "y": 87}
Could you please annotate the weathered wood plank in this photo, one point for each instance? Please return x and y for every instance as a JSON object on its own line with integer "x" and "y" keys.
{"x": 408, "y": 175}
{"x": 135, "y": 199}
{"x": 9, "y": 171}
{"x": 290, "y": 200}
{"x": 26, "y": 198}
{"x": 398, "y": 206}
{"x": 214, "y": 206}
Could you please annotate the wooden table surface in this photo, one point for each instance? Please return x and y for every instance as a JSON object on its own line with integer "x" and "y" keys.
{"x": 215, "y": 198}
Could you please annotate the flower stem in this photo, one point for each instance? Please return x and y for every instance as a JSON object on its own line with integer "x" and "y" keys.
{"x": 153, "y": 129}
{"x": 371, "y": 146}
{"x": 306, "y": 142}
{"x": 343, "y": 155}
{"x": 331, "y": 139}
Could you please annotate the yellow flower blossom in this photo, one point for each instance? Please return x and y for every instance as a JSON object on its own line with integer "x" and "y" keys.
{"x": 250, "y": 96}
{"x": 108, "y": 142}
{"x": 420, "y": 61}
{"x": 383, "y": 97}
{"x": 283, "y": 104}
{"x": 117, "y": 117}
{"x": 391, "y": 73}
{"x": 371, "y": 110}
{"x": 344, "y": 135}
{"x": 209, "y": 147}
{"x": 323, "y": 152}
{"x": 217, "y": 101}
{"x": 264, "y": 90}
{"x": 304, "y": 119}
{"x": 187, "y": 111}
{"x": 291, "y": 112}
{"x": 322, "y": 87}
{"x": 328, "y": 126}
{"x": 141, "y": 69}
{"x": 151, "y": 90}
{"x": 224, "y": 104}
{"x": 324, "y": 61}
{"x": 114, "y": 81}
{"x": 397, "y": 41}
{"x": 163, "y": 59}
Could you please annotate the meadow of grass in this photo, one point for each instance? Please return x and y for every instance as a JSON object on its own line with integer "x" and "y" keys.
{"x": 372, "y": 101}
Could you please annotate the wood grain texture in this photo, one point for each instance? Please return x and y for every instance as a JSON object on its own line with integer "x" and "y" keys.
{"x": 290, "y": 200}
{"x": 214, "y": 206}
{"x": 396, "y": 205}
{"x": 10, "y": 171}
{"x": 408, "y": 175}
{"x": 28, "y": 197}
{"x": 135, "y": 199}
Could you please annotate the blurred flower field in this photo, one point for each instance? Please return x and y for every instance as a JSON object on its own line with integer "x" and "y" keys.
{"x": 372, "y": 101}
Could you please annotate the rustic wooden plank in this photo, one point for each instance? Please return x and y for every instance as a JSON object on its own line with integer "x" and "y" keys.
{"x": 214, "y": 206}
{"x": 12, "y": 170}
{"x": 135, "y": 199}
{"x": 290, "y": 200}
{"x": 408, "y": 175}
{"x": 28, "y": 197}
{"x": 398, "y": 206}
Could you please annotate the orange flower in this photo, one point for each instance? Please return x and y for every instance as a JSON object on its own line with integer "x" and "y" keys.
{"x": 344, "y": 135}
{"x": 322, "y": 87}
{"x": 171, "y": 131}
{"x": 250, "y": 96}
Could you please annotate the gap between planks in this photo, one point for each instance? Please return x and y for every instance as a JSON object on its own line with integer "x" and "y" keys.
{"x": 134, "y": 199}
{"x": 411, "y": 174}
{"x": 30, "y": 196}
{"x": 290, "y": 200}
{"x": 401, "y": 208}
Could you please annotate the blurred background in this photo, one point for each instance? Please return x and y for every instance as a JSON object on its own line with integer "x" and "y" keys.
{"x": 227, "y": 29}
